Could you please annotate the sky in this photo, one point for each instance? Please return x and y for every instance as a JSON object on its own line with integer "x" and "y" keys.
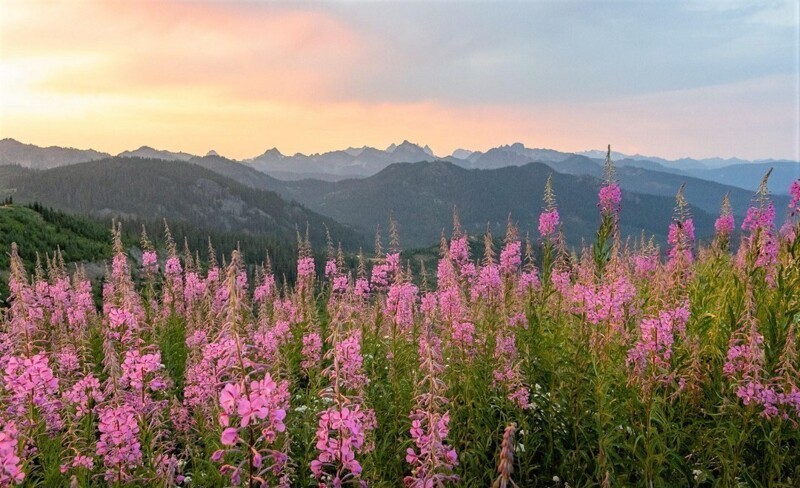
{"x": 672, "y": 79}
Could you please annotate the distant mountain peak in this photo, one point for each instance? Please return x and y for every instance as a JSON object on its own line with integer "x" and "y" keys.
{"x": 148, "y": 152}
{"x": 273, "y": 152}
{"x": 15, "y": 152}
{"x": 355, "y": 151}
{"x": 408, "y": 145}
{"x": 270, "y": 155}
{"x": 462, "y": 153}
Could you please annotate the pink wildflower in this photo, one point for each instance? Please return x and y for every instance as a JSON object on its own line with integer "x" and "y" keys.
{"x": 10, "y": 463}
{"x": 312, "y": 352}
{"x": 610, "y": 197}
{"x": 119, "y": 443}
{"x": 548, "y": 223}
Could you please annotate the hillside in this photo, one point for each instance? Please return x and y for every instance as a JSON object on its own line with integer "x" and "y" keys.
{"x": 40, "y": 230}
{"x": 422, "y": 196}
{"x": 239, "y": 172}
{"x": 706, "y": 195}
{"x": 147, "y": 189}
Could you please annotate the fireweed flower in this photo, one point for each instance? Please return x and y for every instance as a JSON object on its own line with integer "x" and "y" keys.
{"x": 400, "y": 304}
{"x": 724, "y": 224}
{"x": 681, "y": 234}
{"x": 380, "y": 276}
{"x": 794, "y": 192}
{"x": 507, "y": 375}
{"x": 81, "y": 305}
{"x": 173, "y": 266}
{"x": 81, "y": 461}
{"x": 194, "y": 288}
{"x": 760, "y": 245}
{"x": 610, "y": 197}
{"x": 528, "y": 281}
{"x": 25, "y": 312}
{"x": 214, "y": 363}
{"x": 605, "y": 302}
{"x": 312, "y": 352}
{"x": 681, "y": 240}
{"x": 305, "y": 271}
{"x": 549, "y": 219}
{"x": 489, "y": 284}
{"x": 252, "y": 417}
{"x": 350, "y": 373}
{"x": 31, "y": 383}
{"x": 331, "y": 268}
{"x": 340, "y": 436}
{"x": 173, "y": 278}
{"x": 119, "y": 442}
{"x": 150, "y": 261}
{"x": 463, "y": 334}
{"x": 511, "y": 257}
{"x": 264, "y": 289}
{"x": 10, "y": 463}
{"x": 362, "y": 288}
{"x": 548, "y": 223}
{"x": 459, "y": 250}
{"x": 267, "y": 343}
{"x": 789, "y": 229}
{"x": 68, "y": 361}
{"x": 761, "y": 241}
{"x": 383, "y": 273}
{"x": 744, "y": 367}
{"x": 85, "y": 390}
{"x": 142, "y": 373}
{"x": 340, "y": 284}
{"x": 432, "y": 460}
{"x": 451, "y": 305}
{"x": 651, "y": 356}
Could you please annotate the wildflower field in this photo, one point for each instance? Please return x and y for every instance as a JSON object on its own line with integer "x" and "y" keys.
{"x": 620, "y": 364}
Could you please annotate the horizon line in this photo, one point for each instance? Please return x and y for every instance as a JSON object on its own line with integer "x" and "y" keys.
{"x": 384, "y": 148}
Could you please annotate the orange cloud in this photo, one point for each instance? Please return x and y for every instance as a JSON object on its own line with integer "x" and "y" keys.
{"x": 139, "y": 47}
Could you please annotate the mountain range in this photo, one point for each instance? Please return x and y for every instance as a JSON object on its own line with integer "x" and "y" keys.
{"x": 367, "y": 161}
{"x": 223, "y": 195}
{"x": 392, "y": 189}
{"x": 151, "y": 189}
{"x": 30, "y": 156}
{"x": 228, "y": 196}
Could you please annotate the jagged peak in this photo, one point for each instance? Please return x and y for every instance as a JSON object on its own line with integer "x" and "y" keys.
{"x": 272, "y": 152}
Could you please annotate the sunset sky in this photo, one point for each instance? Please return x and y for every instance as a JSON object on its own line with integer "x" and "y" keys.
{"x": 673, "y": 79}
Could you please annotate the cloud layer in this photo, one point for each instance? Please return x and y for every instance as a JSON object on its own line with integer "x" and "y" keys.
{"x": 674, "y": 79}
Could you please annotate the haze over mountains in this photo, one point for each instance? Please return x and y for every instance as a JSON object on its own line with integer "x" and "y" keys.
{"x": 353, "y": 190}
{"x": 367, "y": 161}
